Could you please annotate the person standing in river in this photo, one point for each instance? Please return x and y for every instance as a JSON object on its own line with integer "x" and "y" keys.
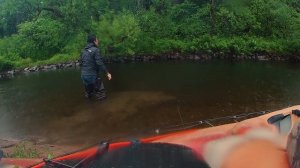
{"x": 91, "y": 63}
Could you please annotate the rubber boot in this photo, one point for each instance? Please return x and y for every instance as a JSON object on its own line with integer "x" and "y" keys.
{"x": 89, "y": 91}
{"x": 100, "y": 92}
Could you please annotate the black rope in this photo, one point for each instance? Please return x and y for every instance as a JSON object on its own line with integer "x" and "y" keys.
{"x": 52, "y": 163}
{"x": 209, "y": 122}
{"x": 189, "y": 125}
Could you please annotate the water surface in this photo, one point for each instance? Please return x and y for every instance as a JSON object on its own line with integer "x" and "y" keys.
{"x": 51, "y": 106}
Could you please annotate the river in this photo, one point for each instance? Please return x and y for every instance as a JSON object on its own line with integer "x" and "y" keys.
{"x": 144, "y": 96}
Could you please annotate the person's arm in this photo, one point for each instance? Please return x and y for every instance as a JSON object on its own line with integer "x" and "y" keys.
{"x": 100, "y": 63}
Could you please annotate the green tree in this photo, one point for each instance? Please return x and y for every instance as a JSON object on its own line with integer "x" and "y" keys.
{"x": 118, "y": 33}
{"x": 274, "y": 16}
{"x": 41, "y": 39}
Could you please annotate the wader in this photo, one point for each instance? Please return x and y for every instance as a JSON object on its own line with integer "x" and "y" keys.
{"x": 93, "y": 86}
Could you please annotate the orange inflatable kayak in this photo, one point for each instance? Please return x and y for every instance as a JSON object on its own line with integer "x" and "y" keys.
{"x": 182, "y": 148}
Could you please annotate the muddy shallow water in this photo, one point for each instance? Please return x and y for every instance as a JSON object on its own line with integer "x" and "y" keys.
{"x": 50, "y": 107}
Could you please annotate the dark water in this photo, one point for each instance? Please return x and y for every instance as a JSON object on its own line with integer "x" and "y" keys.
{"x": 51, "y": 106}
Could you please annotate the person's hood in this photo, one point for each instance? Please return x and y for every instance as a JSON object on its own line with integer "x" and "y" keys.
{"x": 89, "y": 45}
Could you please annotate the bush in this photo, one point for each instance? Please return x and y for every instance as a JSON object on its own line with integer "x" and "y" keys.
{"x": 75, "y": 44}
{"x": 168, "y": 46}
{"x": 275, "y": 18}
{"x": 9, "y": 48}
{"x": 156, "y": 25}
{"x": 118, "y": 33}
{"x": 24, "y": 62}
{"x": 144, "y": 44}
{"x": 60, "y": 58}
{"x": 5, "y": 65}
{"x": 41, "y": 39}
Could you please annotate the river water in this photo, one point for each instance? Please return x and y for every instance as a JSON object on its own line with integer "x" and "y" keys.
{"x": 145, "y": 96}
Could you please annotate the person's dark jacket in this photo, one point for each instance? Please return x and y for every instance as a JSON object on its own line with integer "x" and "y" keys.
{"x": 91, "y": 61}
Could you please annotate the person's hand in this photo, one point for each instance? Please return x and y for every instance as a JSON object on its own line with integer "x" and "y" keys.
{"x": 108, "y": 76}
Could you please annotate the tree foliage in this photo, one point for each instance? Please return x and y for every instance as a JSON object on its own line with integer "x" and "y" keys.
{"x": 41, "y": 39}
{"x": 34, "y": 30}
{"x": 118, "y": 33}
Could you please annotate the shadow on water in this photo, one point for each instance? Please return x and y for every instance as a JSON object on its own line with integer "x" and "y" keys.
{"x": 51, "y": 107}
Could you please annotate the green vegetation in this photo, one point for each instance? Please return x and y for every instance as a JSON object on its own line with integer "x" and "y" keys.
{"x": 25, "y": 150}
{"x": 35, "y": 32}
{"x": 28, "y": 149}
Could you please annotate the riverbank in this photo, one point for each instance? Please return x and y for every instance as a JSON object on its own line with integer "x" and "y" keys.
{"x": 33, "y": 148}
{"x": 137, "y": 59}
